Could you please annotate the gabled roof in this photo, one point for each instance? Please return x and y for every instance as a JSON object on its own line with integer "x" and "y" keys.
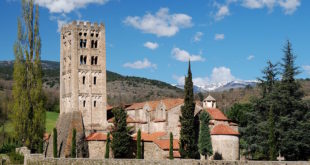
{"x": 153, "y": 104}
{"x": 164, "y": 144}
{"x": 149, "y": 137}
{"x": 135, "y": 106}
{"x": 222, "y": 129}
{"x": 216, "y": 114}
{"x": 209, "y": 98}
{"x": 171, "y": 103}
{"x": 97, "y": 136}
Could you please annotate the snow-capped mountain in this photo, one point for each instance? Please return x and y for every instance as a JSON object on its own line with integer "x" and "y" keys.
{"x": 222, "y": 86}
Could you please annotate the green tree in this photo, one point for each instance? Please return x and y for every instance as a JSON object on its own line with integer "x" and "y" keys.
{"x": 204, "y": 141}
{"x": 171, "y": 146}
{"x": 55, "y": 143}
{"x": 188, "y": 143}
{"x": 121, "y": 138}
{"x": 107, "y": 147}
{"x": 73, "y": 146}
{"x": 28, "y": 113}
{"x": 272, "y": 137}
{"x": 139, "y": 145}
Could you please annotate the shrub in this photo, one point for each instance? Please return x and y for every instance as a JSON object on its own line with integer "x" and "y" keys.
{"x": 16, "y": 158}
{"x": 217, "y": 156}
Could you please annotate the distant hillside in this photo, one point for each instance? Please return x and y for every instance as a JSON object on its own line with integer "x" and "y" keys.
{"x": 126, "y": 89}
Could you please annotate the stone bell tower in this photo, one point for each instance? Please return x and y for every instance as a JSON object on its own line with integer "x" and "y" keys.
{"x": 83, "y": 73}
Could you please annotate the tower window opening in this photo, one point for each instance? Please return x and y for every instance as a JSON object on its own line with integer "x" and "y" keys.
{"x": 92, "y": 60}
{"x": 92, "y": 43}
{"x": 85, "y": 34}
{"x": 95, "y": 44}
{"x": 94, "y": 103}
{"x": 85, "y": 60}
{"x": 80, "y": 34}
{"x": 81, "y": 60}
{"x": 97, "y": 35}
{"x": 84, "y": 43}
{"x": 92, "y": 34}
{"x": 83, "y": 79}
{"x": 96, "y": 60}
{"x": 81, "y": 43}
{"x": 95, "y": 79}
{"x": 84, "y": 103}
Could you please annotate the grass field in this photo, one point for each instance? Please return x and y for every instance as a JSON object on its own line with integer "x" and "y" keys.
{"x": 51, "y": 118}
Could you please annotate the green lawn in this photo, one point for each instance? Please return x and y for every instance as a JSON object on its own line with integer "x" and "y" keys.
{"x": 51, "y": 118}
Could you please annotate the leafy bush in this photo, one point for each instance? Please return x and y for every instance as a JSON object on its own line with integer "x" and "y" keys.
{"x": 7, "y": 148}
{"x": 217, "y": 156}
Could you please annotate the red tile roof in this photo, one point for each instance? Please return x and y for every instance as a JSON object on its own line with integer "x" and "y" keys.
{"x": 216, "y": 114}
{"x": 233, "y": 124}
{"x": 136, "y": 106}
{"x": 171, "y": 103}
{"x": 109, "y": 108}
{"x": 165, "y": 143}
{"x": 149, "y": 137}
{"x": 222, "y": 129}
{"x": 97, "y": 136}
{"x": 153, "y": 104}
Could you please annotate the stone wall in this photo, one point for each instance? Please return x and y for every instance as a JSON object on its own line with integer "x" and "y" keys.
{"x": 226, "y": 145}
{"x": 39, "y": 159}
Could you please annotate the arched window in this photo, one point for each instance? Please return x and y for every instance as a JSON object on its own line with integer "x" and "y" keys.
{"x": 94, "y": 103}
{"x": 95, "y": 79}
{"x": 84, "y": 103}
{"x": 96, "y": 60}
{"x": 83, "y": 79}
{"x": 81, "y": 59}
{"x": 85, "y": 59}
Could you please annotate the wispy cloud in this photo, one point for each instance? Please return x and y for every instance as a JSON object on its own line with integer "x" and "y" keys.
{"x": 219, "y": 37}
{"x": 219, "y": 75}
{"x": 184, "y": 56}
{"x": 197, "y": 37}
{"x": 162, "y": 24}
{"x": 151, "y": 45}
{"x": 66, "y": 6}
{"x": 250, "y": 57}
{"x": 222, "y": 12}
{"x": 140, "y": 64}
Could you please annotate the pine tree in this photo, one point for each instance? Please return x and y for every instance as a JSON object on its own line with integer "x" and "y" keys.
{"x": 171, "y": 146}
{"x": 204, "y": 142}
{"x": 272, "y": 137}
{"x": 107, "y": 147}
{"x": 188, "y": 142}
{"x": 55, "y": 143}
{"x": 28, "y": 113}
{"x": 73, "y": 146}
{"x": 121, "y": 139}
{"x": 139, "y": 145}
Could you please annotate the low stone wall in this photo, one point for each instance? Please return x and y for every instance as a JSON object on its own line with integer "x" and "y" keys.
{"x": 41, "y": 160}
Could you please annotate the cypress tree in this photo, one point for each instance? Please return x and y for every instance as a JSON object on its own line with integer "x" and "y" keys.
{"x": 28, "y": 113}
{"x": 204, "y": 141}
{"x": 121, "y": 138}
{"x": 139, "y": 145}
{"x": 55, "y": 143}
{"x": 107, "y": 147}
{"x": 171, "y": 146}
{"x": 188, "y": 143}
{"x": 73, "y": 146}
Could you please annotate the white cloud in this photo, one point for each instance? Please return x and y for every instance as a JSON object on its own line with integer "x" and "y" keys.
{"x": 250, "y": 57}
{"x": 197, "y": 36}
{"x": 66, "y": 6}
{"x": 306, "y": 68}
{"x": 219, "y": 75}
{"x": 219, "y": 37}
{"x": 161, "y": 23}
{"x": 289, "y": 6}
{"x": 184, "y": 56}
{"x": 151, "y": 45}
{"x": 222, "y": 12}
{"x": 140, "y": 64}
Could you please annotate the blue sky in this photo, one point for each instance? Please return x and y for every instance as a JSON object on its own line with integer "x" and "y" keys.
{"x": 225, "y": 40}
